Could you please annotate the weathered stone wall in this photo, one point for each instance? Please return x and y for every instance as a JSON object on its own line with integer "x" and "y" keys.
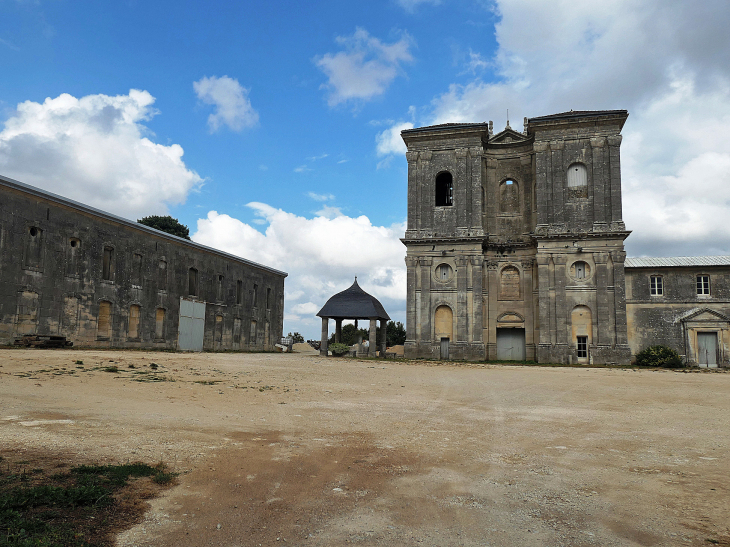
{"x": 61, "y": 263}
{"x": 674, "y": 317}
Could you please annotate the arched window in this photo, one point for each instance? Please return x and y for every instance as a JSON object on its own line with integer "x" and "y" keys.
{"x": 509, "y": 197}
{"x": 582, "y": 330}
{"x": 444, "y": 189}
{"x": 104, "y": 321}
{"x": 443, "y": 322}
{"x": 133, "y": 330}
{"x": 577, "y": 175}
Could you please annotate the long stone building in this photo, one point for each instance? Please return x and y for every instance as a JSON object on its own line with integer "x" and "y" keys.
{"x": 103, "y": 281}
{"x": 515, "y": 244}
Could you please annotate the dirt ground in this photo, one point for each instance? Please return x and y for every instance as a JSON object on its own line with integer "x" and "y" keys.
{"x": 296, "y": 449}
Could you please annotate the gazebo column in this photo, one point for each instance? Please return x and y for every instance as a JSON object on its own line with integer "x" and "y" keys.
{"x": 383, "y": 336}
{"x": 338, "y": 330}
{"x": 325, "y": 336}
{"x": 373, "y": 338}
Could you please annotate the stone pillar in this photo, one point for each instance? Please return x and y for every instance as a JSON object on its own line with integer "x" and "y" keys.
{"x": 462, "y": 326}
{"x": 614, "y": 152}
{"x": 542, "y": 190}
{"x": 556, "y": 180}
{"x": 411, "y": 310}
{"x": 413, "y": 203}
{"x": 462, "y": 189}
{"x": 602, "y": 321}
{"x": 477, "y": 324}
{"x": 561, "y": 311}
{"x": 619, "y": 292}
{"x": 527, "y": 298}
{"x": 543, "y": 284}
{"x": 601, "y": 182}
{"x": 338, "y": 330}
{"x": 426, "y": 191}
{"x": 325, "y": 336}
{"x": 383, "y": 336}
{"x": 475, "y": 181}
{"x": 493, "y": 283}
{"x": 373, "y": 338}
{"x": 425, "y": 310}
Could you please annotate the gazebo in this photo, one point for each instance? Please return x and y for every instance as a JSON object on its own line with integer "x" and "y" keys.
{"x": 354, "y": 303}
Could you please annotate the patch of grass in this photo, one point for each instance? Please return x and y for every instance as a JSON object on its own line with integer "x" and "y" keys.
{"x": 112, "y": 368}
{"x": 154, "y": 366}
{"x": 207, "y": 382}
{"x": 79, "y": 508}
{"x": 79, "y": 362}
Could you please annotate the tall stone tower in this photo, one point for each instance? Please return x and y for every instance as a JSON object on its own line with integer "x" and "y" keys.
{"x": 515, "y": 240}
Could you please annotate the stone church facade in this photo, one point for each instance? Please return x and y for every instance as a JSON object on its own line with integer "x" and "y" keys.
{"x": 515, "y": 241}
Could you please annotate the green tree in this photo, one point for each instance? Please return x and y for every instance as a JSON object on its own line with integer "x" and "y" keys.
{"x": 166, "y": 224}
{"x": 296, "y": 337}
{"x": 350, "y": 334}
{"x": 395, "y": 334}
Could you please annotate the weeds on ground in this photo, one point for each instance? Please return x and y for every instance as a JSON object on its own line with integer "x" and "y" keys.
{"x": 79, "y": 508}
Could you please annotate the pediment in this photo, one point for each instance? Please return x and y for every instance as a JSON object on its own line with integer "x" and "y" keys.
{"x": 510, "y": 317}
{"x": 509, "y": 136}
{"x": 702, "y": 314}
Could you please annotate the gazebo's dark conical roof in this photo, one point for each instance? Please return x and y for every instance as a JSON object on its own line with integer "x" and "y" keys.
{"x": 353, "y": 303}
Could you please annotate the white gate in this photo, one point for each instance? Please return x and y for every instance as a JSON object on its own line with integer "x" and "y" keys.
{"x": 707, "y": 349}
{"x": 511, "y": 344}
{"x": 191, "y": 326}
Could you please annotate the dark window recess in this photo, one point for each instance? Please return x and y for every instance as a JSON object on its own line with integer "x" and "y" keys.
{"x": 268, "y": 299}
{"x": 254, "y": 295}
{"x": 193, "y": 282}
{"x": 72, "y": 256}
{"x": 219, "y": 289}
{"x": 444, "y": 189}
{"x": 162, "y": 276}
{"x": 34, "y": 248}
{"x": 582, "y": 347}
{"x": 703, "y": 284}
{"x": 137, "y": 269}
{"x": 239, "y": 291}
{"x": 107, "y": 268}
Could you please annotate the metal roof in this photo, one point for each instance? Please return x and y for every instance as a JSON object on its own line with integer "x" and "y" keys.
{"x": 671, "y": 261}
{"x": 353, "y": 303}
{"x": 579, "y": 114}
{"x": 32, "y": 190}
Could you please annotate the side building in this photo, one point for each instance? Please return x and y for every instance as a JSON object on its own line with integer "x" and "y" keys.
{"x": 680, "y": 302}
{"x": 103, "y": 281}
{"x": 515, "y": 240}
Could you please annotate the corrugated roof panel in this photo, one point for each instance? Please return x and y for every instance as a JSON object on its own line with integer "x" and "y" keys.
{"x": 670, "y": 261}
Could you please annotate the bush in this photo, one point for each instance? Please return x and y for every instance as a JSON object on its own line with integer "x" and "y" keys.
{"x": 659, "y": 356}
{"x": 338, "y": 349}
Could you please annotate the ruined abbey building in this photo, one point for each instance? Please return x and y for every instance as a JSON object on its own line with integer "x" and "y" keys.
{"x": 71, "y": 270}
{"x": 515, "y": 248}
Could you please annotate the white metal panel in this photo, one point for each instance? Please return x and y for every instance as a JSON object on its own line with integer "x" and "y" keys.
{"x": 511, "y": 344}
{"x": 191, "y": 327}
{"x": 707, "y": 349}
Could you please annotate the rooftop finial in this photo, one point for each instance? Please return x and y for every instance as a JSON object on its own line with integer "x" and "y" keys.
{"x": 491, "y": 128}
{"x": 525, "y": 126}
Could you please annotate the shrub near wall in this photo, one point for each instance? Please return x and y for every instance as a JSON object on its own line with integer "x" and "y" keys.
{"x": 659, "y": 356}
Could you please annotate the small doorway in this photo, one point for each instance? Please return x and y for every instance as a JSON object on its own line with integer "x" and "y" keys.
{"x": 444, "y": 348}
{"x": 707, "y": 349}
{"x": 511, "y": 344}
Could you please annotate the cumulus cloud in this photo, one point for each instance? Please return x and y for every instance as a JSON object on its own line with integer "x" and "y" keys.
{"x": 664, "y": 61}
{"x": 96, "y": 150}
{"x": 364, "y": 68}
{"x": 322, "y": 256}
{"x": 390, "y": 141}
{"x": 230, "y": 99}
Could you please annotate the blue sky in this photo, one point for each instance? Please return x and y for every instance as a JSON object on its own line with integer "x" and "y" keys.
{"x": 271, "y": 129}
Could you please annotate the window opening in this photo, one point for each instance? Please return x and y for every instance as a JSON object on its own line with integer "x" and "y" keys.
{"x": 193, "y": 282}
{"x": 137, "y": 269}
{"x": 108, "y": 264}
{"x": 133, "y": 321}
{"x": 703, "y": 284}
{"x": 160, "y": 324}
{"x": 509, "y": 197}
{"x": 577, "y": 175}
{"x": 656, "y": 285}
{"x": 255, "y": 291}
{"x": 582, "y": 347}
{"x": 444, "y": 189}
{"x": 34, "y": 249}
{"x": 162, "y": 275}
{"x": 219, "y": 291}
{"x": 580, "y": 270}
{"x": 72, "y": 254}
{"x": 239, "y": 291}
{"x": 103, "y": 327}
{"x": 268, "y": 298}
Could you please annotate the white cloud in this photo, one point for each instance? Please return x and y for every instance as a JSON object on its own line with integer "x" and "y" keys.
{"x": 411, "y": 5}
{"x": 365, "y": 68}
{"x": 390, "y": 142}
{"x": 322, "y": 256}
{"x": 302, "y": 169}
{"x": 321, "y": 197}
{"x": 96, "y": 150}
{"x": 664, "y": 61}
{"x": 230, "y": 99}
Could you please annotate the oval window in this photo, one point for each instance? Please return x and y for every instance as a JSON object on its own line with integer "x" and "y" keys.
{"x": 444, "y": 272}
{"x": 580, "y": 270}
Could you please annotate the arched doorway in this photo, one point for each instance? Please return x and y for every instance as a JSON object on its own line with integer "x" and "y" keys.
{"x": 443, "y": 322}
{"x": 581, "y": 322}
